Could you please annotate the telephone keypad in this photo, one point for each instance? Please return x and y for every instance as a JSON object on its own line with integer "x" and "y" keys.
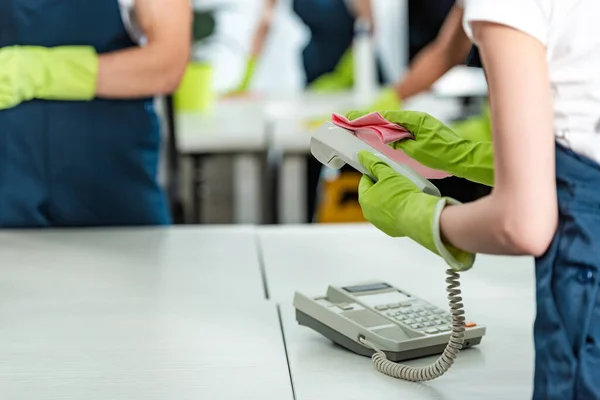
{"x": 419, "y": 316}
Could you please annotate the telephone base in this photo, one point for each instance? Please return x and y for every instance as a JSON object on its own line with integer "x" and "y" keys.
{"x": 336, "y": 337}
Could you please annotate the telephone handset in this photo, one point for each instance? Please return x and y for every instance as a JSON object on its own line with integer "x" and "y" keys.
{"x": 378, "y": 319}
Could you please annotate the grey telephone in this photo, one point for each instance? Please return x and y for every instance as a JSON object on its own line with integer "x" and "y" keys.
{"x": 385, "y": 329}
{"x": 379, "y": 320}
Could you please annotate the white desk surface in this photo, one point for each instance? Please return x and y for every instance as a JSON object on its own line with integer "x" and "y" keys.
{"x": 152, "y": 349}
{"x": 498, "y": 292}
{"x": 116, "y": 264}
{"x": 235, "y": 125}
{"x": 462, "y": 81}
{"x": 125, "y": 315}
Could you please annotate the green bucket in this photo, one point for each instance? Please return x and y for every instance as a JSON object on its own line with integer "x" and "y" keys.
{"x": 195, "y": 92}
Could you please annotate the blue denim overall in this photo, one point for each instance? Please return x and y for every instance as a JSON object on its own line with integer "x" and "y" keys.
{"x": 567, "y": 326}
{"x": 68, "y": 163}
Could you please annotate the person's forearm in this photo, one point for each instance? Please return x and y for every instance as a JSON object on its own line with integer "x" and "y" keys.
{"x": 450, "y": 48}
{"x": 363, "y": 9}
{"x": 156, "y": 68}
{"x": 260, "y": 36}
{"x": 263, "y": 28}
{"x": 138, "y": 72}
{"x": 476, "y": 227}
{"x": 429, "y": 66}
{"x": 489, "y": 226}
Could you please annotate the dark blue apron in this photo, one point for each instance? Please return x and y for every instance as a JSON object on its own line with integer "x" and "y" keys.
{"x": 473, "y": 59}
{"x": 331, "y": 27}
{"x": 425, "y": 17}
{"x": 76, "y": 163}
{"x": 567, "y": 326}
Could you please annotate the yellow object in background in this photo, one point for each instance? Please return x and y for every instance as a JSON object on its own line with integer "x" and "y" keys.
{"x": 339, "y": 200}
{"x": 314, "y": 124}
{"x": 195, "y": 93}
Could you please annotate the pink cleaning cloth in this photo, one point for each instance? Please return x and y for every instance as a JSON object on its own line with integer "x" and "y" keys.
{"x": 378, "y": 132}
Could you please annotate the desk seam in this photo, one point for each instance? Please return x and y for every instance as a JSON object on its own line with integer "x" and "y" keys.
{"x": 285, "y": 349}
{"x": 261, "y": 264}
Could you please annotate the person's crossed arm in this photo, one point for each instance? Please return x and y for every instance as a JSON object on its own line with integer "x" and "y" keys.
{"x": 79, "y": 73}
{"x": 158, "y": 66}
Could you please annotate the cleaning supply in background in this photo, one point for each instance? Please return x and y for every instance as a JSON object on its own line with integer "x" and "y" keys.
{"x": 195, "y": 92}
{"x": 365, "y": 69}
{"x": 378, "y": 132}
{"x": 338, "y": 200}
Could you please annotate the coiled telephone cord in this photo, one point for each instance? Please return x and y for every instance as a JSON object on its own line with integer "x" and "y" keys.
{"x": 445, "y": 361}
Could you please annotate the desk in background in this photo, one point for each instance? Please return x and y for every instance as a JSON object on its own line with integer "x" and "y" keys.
{"x": 497, "y": 292}
{"x": 126, "y": 314}
{"x": 236, "y": 127}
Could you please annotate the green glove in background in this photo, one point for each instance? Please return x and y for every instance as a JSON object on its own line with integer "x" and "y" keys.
{"x": 387, "y": 100}
{"x": 248, "y": 75}
{"x": 398, "y": 208}
{"x": 341, "y": 78}
{"x": 477, "y": 128}
{"x": 439, "y": 147}
{"x": 59, "y": 73}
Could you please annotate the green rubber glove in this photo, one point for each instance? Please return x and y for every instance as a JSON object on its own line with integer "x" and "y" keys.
{"x": 59, "y": 73}
{"x": 439, "y": 147}
{"x": 248, "y": 75}
{"x": 341, "y": 78}
{"x": 398, "y": 208}
{"x": 387, "y": 100}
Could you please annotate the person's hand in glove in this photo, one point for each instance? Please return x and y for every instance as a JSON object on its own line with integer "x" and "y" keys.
{"x": 437, "y": 146}
{"x": 246, "y": 79}
{"x": 388, "y": 100}
{"x": 341, "y": 78}
{"x": 59, "y": 73}
{"x": 398, "y": 208}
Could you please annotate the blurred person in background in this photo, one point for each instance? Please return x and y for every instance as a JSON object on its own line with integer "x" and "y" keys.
{"x": 433, "y": 53}
{"x": 79, "y": 136}
{"x": 327, "y": 58}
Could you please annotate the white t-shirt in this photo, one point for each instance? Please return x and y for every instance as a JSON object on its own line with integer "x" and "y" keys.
{"x": 569, "y": 30}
